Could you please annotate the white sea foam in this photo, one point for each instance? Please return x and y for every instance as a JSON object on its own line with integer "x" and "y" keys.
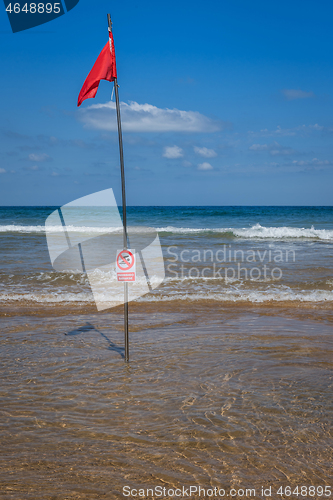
{"x": 234, "y": 295}
{"x": 247, "y": 296}
{"x": 258, "y": 231}
{"x": 58, "y": 229}
{"x": 22, "y": 229}
{"x": 47, "y": 298}
{"x": 255, "y": 232}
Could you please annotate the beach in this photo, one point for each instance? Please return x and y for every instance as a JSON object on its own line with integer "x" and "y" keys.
{"x": 229, "y": 384}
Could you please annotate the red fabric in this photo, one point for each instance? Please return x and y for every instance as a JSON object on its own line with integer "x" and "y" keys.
{"x": 103, "y": 69}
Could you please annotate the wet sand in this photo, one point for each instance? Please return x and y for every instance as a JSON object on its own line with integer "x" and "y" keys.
{"x": 234, "y": 397}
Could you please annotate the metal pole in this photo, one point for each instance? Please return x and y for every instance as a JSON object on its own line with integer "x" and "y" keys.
{"x": 122, "y": 170}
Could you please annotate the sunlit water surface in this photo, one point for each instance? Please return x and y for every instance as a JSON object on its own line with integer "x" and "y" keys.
{"x": 232, "y": 400}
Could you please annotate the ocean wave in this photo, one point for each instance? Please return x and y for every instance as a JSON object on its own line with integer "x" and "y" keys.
{"x": 109, "y": 278}
{"x": 58, "y": 229}
{"x": 262, "y": 296}
{"x": 247, "y": 296}
{"x": 47, "y": 298}
{"x": 258, "y": 231}
{"x": 255, "y": 232}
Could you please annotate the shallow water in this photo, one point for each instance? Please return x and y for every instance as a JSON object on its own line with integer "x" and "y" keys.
{"x": 235, "y": 400}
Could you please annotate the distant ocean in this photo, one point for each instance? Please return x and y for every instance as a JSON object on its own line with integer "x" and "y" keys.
{"x": 252, "y": 254}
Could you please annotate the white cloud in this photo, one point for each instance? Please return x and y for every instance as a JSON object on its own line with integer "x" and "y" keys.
{"x": 292, "y": 94}
{"x": 275, "y": 149}
{"x": 41, "y": 157}
{"x": 282, "y": 151}
{"x": 259, "y": 147}
{"x": 279, "y": 131}
{"x": 299, "y": 130}
{"x": 318, "y": 127}
{"x": 2, "y": 171}
{"x": 313, "y": 162}
{"x": 205, "y": 152}
{"x": 187, "y": 163}
{"x": 205, "y": 166}
{"x": 173, "y": 152}
{"x": 146, "y": 118}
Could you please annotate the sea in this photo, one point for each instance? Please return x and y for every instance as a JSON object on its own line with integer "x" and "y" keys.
{"x": 221, "y": 254}
{"x": 228, "y": 389}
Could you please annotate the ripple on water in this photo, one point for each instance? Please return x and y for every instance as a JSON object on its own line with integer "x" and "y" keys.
{"x": 216, "y": 400}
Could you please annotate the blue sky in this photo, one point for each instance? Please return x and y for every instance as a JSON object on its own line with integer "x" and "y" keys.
{"x": 224, "y": 103}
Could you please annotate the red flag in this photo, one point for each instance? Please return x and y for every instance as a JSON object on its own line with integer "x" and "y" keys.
{"x": 103, "y": 69}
